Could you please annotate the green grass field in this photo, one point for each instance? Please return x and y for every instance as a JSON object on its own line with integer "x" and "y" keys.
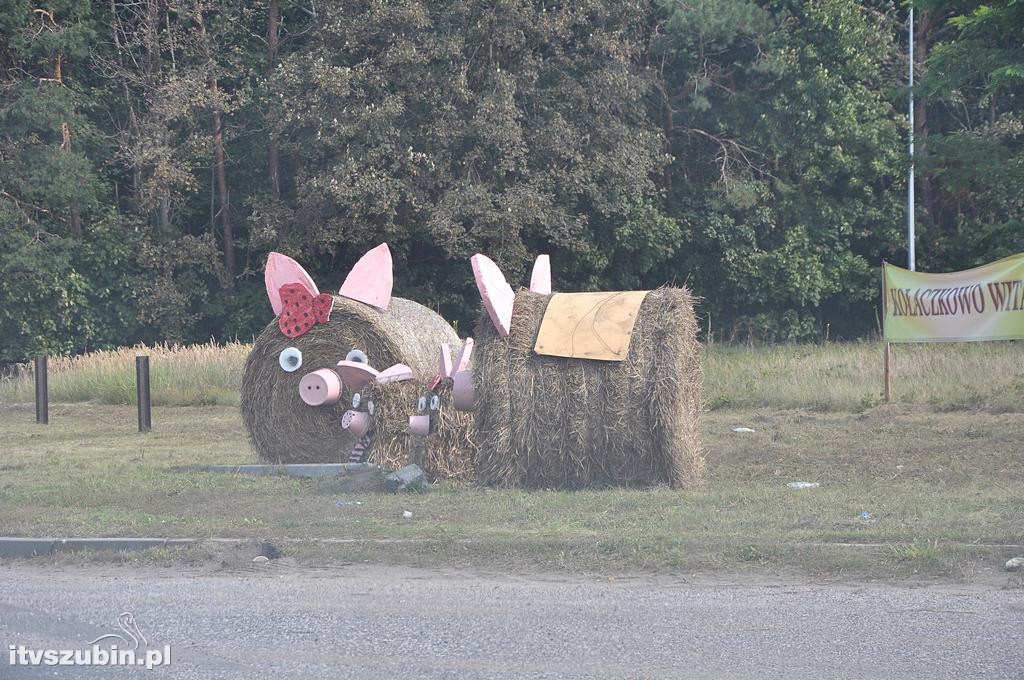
{"x": 941, "y": 475}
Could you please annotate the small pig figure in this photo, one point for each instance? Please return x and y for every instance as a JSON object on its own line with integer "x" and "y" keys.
{"x": 294, "y": 391}
{"x": 436, "y": 438}
{"x": 583, "y": 389}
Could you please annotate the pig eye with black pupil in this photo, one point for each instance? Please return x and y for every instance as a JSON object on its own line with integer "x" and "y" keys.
{"x": 422, "y": 405}
{"x": 290, "y": 359}
{"x": 356, "y": 400}
{"x": 356, "y": 355}
{"x": 434, "y": 401}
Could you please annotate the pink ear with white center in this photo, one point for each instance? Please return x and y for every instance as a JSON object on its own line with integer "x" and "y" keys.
{"x": 281, "y": 270}
{"x": 495, "y": 292}
{"x": 540, "y": 280}
{"x": 467, "y": 351}
{"x": 445, "y": 366}
{"x": 371, "y": 280}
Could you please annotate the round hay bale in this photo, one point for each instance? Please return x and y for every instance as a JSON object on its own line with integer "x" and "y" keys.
{"x": 282, "y": 428}
{"x": 446, "y": 453}
{"x": 544, "y": 421}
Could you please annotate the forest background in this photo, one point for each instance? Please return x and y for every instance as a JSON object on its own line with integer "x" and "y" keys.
{"x": 153, "y": 151}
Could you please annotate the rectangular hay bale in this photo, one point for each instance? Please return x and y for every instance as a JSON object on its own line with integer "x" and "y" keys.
{"x": 546, "y": 421}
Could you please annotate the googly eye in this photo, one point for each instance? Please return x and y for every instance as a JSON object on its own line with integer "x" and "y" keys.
{"x": 421, "y": 406}
{"x": 290, "y": 359}
{"x": 434, "y": 401}
{"x": 369, "y": 407}
{"x": 356, "y": 400}
{"x": 356, "y": 355}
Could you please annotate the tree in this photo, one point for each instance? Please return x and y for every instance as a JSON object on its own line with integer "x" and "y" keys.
{"x": 787, "y": 159}
{"x": 975, "y": 88}
{"x": 62, "y": 282}
{"x": 448, "y": 128}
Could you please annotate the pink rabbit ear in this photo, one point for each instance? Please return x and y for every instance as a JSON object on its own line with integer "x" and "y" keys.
{"x": 281, "y": 270}
{"x": 495, "y": 292}
{"x": 467, "y": 351}
{"x": 540, "y": 280}
{"x": 371, "y": 280}
{"x": 445, "y": 367}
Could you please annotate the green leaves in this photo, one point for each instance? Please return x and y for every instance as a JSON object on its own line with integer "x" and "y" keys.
{"x": 786, "y": 153}
{"x": 754, "y": 149}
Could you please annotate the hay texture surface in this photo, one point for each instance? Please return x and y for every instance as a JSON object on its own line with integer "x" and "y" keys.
{"x": 447, "y": 453}
{"x": 543, "y": 421}
{"x": 282, "y": 428}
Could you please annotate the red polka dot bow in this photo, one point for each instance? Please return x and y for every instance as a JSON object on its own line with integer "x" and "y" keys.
{"x": 302, "y": 310}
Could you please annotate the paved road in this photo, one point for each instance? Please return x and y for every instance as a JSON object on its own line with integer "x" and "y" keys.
{"x": 372, "y": 622}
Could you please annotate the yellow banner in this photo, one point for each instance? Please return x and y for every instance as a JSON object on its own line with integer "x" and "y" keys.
{"x": 984, "y": 303}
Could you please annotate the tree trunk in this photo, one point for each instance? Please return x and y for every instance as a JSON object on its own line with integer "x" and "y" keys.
{"x": 76, "y": 219}
{"x": 222, "y": 190}
{"x": 164, "y": 217}
{"x": 273, "y": 162}
{"x": 65, "y": 132}
{"x": 218, "y": 158}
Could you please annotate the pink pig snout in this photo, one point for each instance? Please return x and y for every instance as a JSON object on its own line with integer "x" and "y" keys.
{"x": 321, "y": 387}
{"x": 463, "y": 392}
{"x": 357, "y": 422}
{"x": 419, "y": 426}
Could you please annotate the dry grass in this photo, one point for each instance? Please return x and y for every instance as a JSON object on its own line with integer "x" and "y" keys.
{"x": 831, "y": 377}
{"x": 848, "y": 377}
{"x": 194, "y": 375}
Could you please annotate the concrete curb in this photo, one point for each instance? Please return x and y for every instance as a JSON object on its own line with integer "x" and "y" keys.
{"x": 11, "y": 546}
{"x": 16, "y": 547}
{"x": 31, "y": 547}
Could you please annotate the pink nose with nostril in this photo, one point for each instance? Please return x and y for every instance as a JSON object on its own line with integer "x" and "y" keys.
{"x": 419, "y": 425}
{"x": 358, "y": 422}
{"x": 320, "y": 387}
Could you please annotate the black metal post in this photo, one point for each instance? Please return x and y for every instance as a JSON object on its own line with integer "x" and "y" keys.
{"x": 42, "y": 392}
{"x": 142, "y": 394}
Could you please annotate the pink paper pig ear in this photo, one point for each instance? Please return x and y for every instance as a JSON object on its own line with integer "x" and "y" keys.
{"x": 282, "y": 270}
{"x": 355, "y": 374}
{"x": 467, "y": 351}
{"x": 371, "y": 280}
{"x": 497, "y": 295}
{"x": 446, "y": 368}
{"x": 396, "y": 373}
{"x": 540, "y": 280}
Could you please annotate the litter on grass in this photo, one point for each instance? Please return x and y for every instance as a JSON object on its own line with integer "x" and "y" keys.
{"x": 803, "y": 485}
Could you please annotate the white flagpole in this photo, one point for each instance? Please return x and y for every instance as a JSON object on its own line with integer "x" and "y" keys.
{"x": 910, "y": 179}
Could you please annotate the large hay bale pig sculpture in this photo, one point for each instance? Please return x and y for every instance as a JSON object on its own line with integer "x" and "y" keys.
{"x": 306, "y": 366}
{"x": 583, "y": 389}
